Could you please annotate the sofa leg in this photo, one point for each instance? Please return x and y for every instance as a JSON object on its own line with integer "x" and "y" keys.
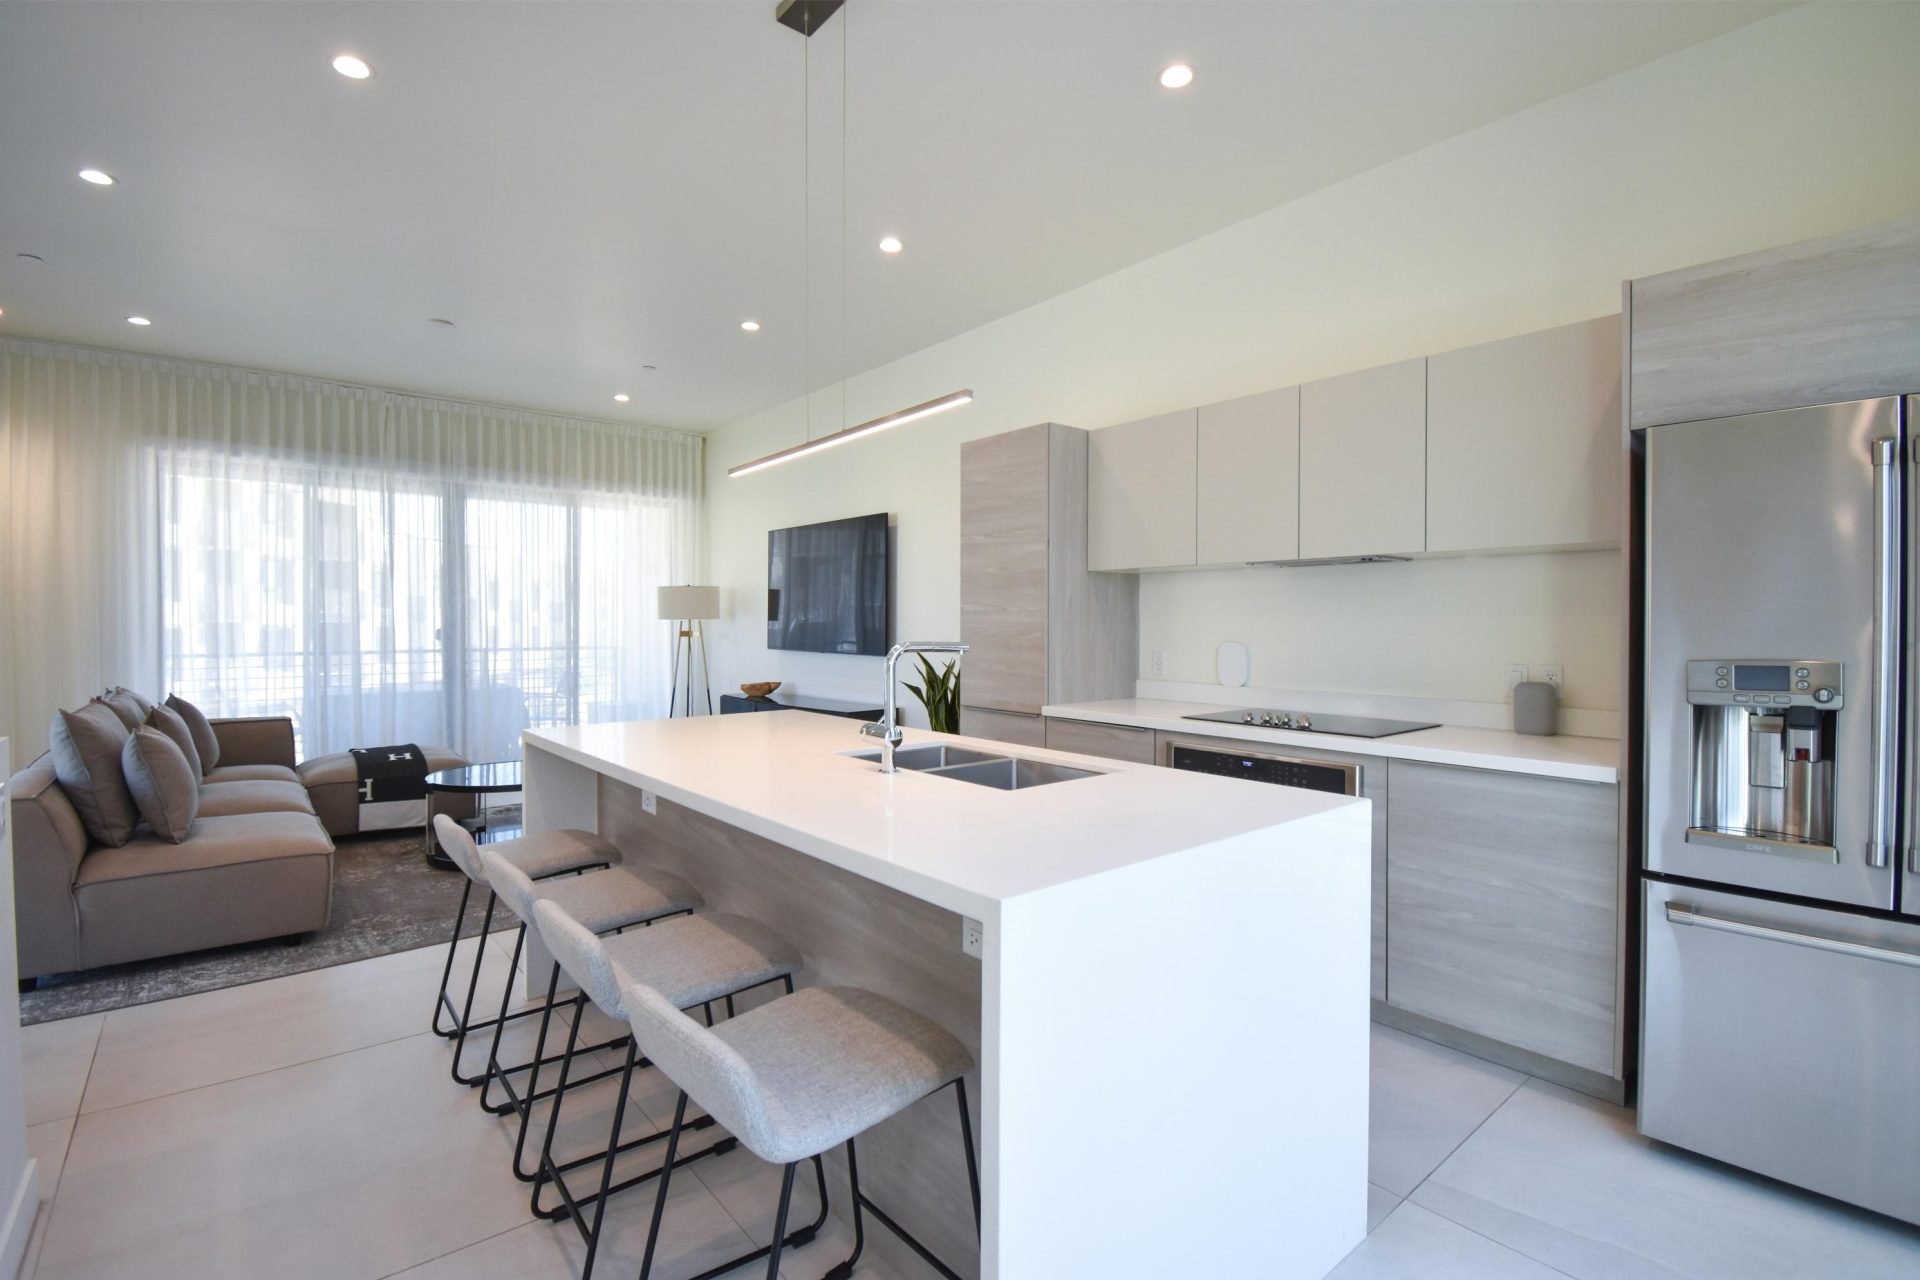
{"x": 292, "y": 939}
{"x": 29, "y": 984}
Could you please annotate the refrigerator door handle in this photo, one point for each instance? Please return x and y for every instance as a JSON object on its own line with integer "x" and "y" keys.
{"x": 1886, "y": 650}
{"x": 1681, "y": 913}
{"x": 1911, "y": 803}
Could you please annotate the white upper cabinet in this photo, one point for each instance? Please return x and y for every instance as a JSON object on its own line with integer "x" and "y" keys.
{"x": 1249, "y": 479}
{"x": 1524, "y": 441}
{"x": 1363, "y": 463}
{"x": 1140, "y": 493}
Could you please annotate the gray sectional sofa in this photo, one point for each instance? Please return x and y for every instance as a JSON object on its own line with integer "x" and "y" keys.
{"x": 256, "y": 863}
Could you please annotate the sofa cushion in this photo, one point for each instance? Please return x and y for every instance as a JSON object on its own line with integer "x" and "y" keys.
{"x": 165, "y": 786}
{"x": 86, "y": 759}
{"x": 252, "y": 773}
{"x": 168, "y": 721}
{"x": 224, "y": 799}
{"x": 128, "y": 705}
{"x": 202, "y": 731}
{"x": 234, "y": 879}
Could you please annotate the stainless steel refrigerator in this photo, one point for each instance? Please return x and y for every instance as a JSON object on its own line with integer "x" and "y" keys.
{"x": 1780, "y": 975}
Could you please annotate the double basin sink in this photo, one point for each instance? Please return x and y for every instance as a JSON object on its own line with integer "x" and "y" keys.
{"x": 983, "y": 769}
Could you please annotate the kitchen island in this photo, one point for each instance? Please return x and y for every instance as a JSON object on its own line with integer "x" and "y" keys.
{"x": 1163, "y": 977}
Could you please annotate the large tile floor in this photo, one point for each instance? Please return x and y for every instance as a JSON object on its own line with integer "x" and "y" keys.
{"x": 306, "y": 1127}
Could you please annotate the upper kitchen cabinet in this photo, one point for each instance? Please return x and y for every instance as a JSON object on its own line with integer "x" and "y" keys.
{"x": 1041, "y": 626}
{"x": 1363, "y": 463}
{"x": 1523, "y": 441}
{"x": 1141, "y": 495}
{"x": 1810, "y": 323}
{"x": 1249, "y": 479}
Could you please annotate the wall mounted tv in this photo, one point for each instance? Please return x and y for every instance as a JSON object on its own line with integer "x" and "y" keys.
{"x": 827, "y": 586}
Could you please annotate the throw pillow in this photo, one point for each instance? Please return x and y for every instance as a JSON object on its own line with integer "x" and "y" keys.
{"x": 128, "y": 705}
{"x": 163, "y": 782}
{"x": 86, "y": 760}
{"x": 168, "y": 721}
{"x": 201, "y": 729}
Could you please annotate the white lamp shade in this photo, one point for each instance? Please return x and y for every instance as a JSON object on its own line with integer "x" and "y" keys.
{"x": 694, "y": 603}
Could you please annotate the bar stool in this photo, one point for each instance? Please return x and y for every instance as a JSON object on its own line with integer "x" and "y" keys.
{"x": 796, "y": 1077}
{"x": 540, "y": 856}
{"x": 609, "y": 898}
{"x": 689, "y": 962}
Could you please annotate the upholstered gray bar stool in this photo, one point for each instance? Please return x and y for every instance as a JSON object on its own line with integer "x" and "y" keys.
{"x": 540, "y": 856}
{"x": 794, "y": 1078}
{"x": 607, "y": 898}
{"x": 690, "y": 962}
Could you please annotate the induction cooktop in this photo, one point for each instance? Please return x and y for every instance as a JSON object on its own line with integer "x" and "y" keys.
{"x": 1313, "y": 722}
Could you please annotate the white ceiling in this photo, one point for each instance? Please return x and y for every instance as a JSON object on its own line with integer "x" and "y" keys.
{"x": 590, "y": 188}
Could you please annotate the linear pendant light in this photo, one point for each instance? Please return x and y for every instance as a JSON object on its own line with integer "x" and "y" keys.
{"x": 805, "y": 16}
{"x": 952, "y": 400}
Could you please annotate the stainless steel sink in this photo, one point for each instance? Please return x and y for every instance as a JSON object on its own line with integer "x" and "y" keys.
{"x": 1012, "y": 775}
{"x": 938, "y": 755}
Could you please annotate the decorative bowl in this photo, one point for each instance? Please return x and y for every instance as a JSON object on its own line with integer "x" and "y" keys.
{"x": 760, "y": 688}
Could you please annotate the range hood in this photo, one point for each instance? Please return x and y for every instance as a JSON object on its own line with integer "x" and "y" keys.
{"x": 1302, "y": 564}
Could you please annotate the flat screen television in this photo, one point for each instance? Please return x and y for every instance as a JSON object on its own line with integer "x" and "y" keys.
{"x": 827, "y": 586}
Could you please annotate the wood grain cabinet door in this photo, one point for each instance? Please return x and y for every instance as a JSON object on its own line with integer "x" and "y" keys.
{"x": 1503, "y": 907}
{"x": 1249, "y": 479}
{"x": 1363, "y": 463}
{"x": 1111, "y": 741}
{"x": 1140, "y": 494}
{"x": 1003, "y": 570}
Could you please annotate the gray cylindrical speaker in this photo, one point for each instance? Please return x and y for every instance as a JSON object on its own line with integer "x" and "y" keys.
{"x": 1536, "y": 708}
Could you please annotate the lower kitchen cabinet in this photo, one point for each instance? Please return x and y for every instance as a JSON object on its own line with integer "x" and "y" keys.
{"x": 1110, "y": 741}
{"x": 1003, "y": 726}
{"x": 1503, "y": 916}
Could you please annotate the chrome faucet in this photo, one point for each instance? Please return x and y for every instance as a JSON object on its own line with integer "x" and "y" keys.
{"x": 887, "y": 729}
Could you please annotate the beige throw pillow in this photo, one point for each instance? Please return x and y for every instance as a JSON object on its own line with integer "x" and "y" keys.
{"x": 163, "y": 782}
{"x": 169, "y": 722}
{"x": 201, "y": 729}
{"x": 85, "y": 745}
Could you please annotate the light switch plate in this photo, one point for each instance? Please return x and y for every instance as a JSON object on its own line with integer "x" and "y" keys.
{"x": 1516, "y": 673}
{"x": 973, "y": 937}
{"x": 649, "y": 803}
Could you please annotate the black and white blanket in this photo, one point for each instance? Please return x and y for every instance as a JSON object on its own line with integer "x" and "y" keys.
{"x": 388, "y": 774}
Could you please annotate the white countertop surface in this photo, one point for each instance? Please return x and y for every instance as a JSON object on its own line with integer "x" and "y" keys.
{"x": 1579, "y": 759}
{"x": 788, "y": 777}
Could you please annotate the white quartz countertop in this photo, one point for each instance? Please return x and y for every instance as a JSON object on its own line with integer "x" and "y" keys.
{"x": 789, "y": 777}
{"x": 1579, "y": 759}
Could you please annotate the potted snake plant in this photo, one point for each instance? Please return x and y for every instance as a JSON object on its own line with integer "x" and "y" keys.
{"x": 939, "y": 693}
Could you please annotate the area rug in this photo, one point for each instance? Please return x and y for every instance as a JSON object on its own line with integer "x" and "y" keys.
{"x": 385, "y": 899}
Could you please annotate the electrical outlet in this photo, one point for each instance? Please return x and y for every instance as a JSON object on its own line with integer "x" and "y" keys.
{"x": 973, "y": 937}
{"x": 1516, "y": 672}
{"x": 649, "y": 803}
{"x": 1550, "y": 672}
{"x": 1159, "y": 662}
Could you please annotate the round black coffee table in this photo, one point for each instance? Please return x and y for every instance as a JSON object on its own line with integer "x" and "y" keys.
{"x": 480, "y": 780}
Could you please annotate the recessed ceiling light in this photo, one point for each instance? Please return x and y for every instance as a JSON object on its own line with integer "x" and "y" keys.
{"x": 437, "y": 320}
{"x": 351, "y": 67}
{"x": 98, "y": 177}
{"x": 751, "y": 326}
{"x": 621, "y": 397}
{"x": 142, "y": 321}
{"x": 1177, "y": 76}
{"x": 891, "y": 244}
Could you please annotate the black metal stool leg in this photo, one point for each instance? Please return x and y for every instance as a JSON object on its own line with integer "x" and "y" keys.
{"x": 660, "y": 1192}
{"x": 541, "y": 1177}
{"x": 780, "y": 1221}
{"x": 613, "y": 1153}
{"x": 440, "y": 1001}
{"x": 973, "y": 1161}
{"x": 533, "y": 1076}
{"x": 486, "y": 1077}
{"x": 473, "y": 986}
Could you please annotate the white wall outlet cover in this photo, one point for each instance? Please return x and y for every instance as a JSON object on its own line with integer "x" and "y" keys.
{"x": 1234, "y": 664}
{"x": 973, "y": 937}
{"x": 1550, "y": 672}
{"x": 1159, "y": 662}
{"x": 649, "y": 803}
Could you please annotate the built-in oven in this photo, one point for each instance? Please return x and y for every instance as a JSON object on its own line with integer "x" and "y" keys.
{"x": 1261, "y": 766}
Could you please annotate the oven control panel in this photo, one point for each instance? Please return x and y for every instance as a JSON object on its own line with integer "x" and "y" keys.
{"x": 1764, "y": 682}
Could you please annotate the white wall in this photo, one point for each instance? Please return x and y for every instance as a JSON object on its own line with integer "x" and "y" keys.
{"x": 1805, "y": 124}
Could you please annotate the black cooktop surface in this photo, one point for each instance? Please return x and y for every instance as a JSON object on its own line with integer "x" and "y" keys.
{"x": 1313, "y": 722}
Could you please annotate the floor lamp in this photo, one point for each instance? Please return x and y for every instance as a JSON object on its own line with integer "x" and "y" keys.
{"x": 689, "y": 607}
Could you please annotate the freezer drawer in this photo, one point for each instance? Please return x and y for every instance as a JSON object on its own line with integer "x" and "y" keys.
{"x": 1785, "y": 1040}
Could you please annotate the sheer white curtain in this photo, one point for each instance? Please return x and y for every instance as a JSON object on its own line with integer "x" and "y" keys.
{"x": 381, "y": 567}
